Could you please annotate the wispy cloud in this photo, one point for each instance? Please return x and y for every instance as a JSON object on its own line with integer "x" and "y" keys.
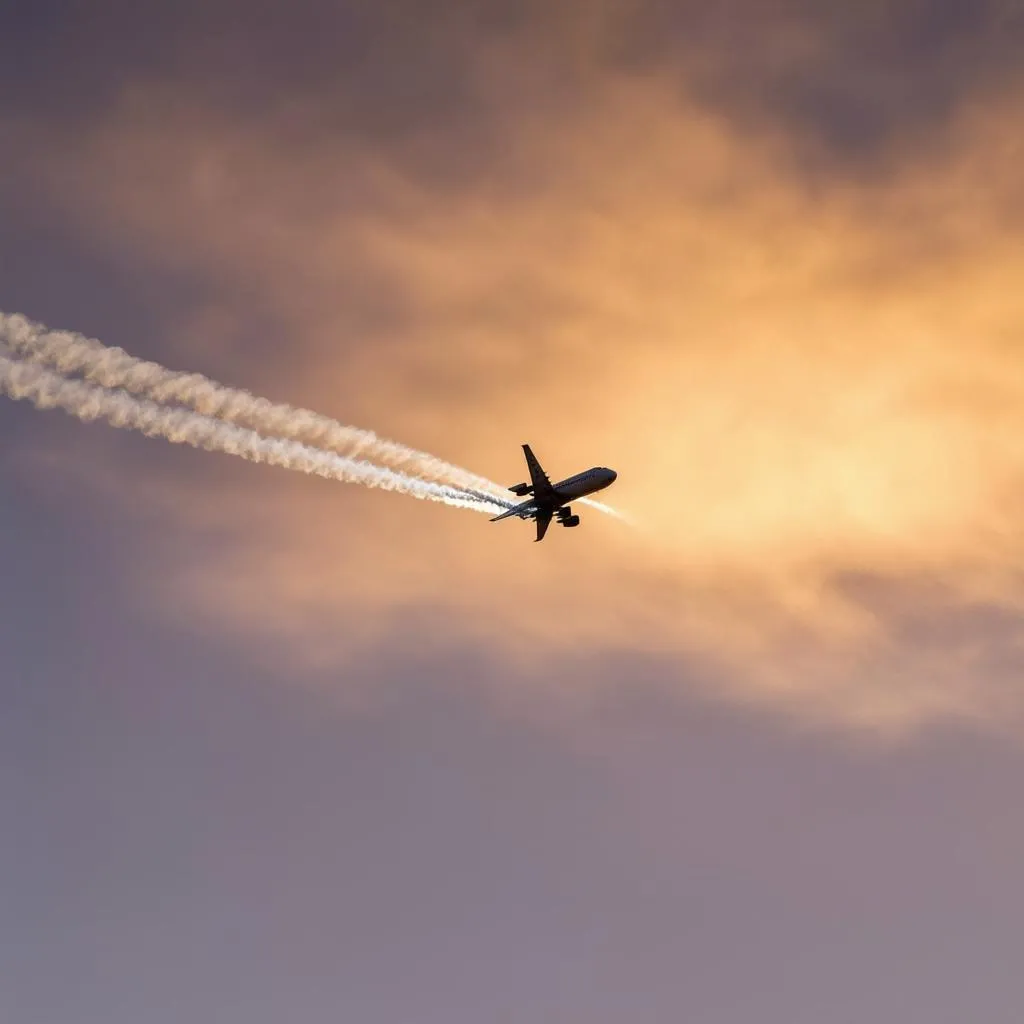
{"x": 808, "y": 380}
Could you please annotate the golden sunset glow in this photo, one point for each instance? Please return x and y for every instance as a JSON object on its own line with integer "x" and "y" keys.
{"x": 809, "y": 383}
{"x": 291, "y": 731}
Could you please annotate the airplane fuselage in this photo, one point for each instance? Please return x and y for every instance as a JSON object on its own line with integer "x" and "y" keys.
{"x": 570, "y": 489}
{"x": 582, "y": 484}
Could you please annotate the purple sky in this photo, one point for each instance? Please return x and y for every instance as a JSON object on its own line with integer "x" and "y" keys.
{"x": 391, "y": 815}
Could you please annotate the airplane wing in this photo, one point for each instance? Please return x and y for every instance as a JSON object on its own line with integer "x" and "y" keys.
{"x": 541, "y": 484}
{"x": 516, "y": 510}
{"x": 543, "y": 522}
{"x": 529, "y": 510}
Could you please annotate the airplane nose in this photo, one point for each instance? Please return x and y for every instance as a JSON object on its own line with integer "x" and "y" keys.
{"x": 612, "y": 476}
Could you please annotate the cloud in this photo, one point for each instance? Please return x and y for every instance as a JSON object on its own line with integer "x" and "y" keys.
{"x": 808, "y": 380}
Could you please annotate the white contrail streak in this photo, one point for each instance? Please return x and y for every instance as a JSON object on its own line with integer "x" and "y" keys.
{"x": 47, "y": 389}
{"x": 71, "y": 353}
{"x": 600, "y": 506}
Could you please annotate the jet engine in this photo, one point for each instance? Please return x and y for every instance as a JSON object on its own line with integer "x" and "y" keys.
{"x": 571, "y": 521}
{"x": 521, "y": 489}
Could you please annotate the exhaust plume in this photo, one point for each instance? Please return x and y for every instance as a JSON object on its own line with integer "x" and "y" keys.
{"x": 70, "y": 353}
{"x": 163, "y": 392}
{"x": 87, "y": 401}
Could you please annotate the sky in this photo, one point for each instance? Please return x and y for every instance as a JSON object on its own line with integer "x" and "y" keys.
{"x": 277, "y": 748}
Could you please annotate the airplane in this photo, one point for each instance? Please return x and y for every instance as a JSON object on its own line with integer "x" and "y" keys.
{"x": 551, "y": 501}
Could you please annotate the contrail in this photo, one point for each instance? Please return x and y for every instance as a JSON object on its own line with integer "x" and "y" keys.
{"x": 68, "y": 352}
{"x": 87, "y": 401}
{"x": 600, "y": 506}
{"x": 71, "y": 353}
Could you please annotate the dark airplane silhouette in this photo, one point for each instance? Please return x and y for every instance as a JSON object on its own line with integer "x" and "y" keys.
{"x": 551, "y": 501}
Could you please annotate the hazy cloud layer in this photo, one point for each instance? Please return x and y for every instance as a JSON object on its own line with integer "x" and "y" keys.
{"x": 784, "y": 310}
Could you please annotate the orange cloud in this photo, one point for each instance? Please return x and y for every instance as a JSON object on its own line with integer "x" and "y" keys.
{"x": 809, "y": 383}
